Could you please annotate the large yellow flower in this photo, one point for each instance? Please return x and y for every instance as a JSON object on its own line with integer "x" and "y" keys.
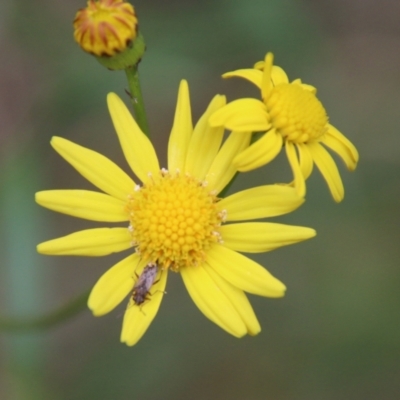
{"x": 291, "y": 115}
{"x": 174, "y": 219}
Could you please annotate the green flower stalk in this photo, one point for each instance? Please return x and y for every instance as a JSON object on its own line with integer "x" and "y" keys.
{"x": 109, "y": 30}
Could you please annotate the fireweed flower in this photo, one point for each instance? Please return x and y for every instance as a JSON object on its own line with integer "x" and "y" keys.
{"x": 292, "y": 116}
{"x": 105, "y": 27}
{"x": 175, "y": 219}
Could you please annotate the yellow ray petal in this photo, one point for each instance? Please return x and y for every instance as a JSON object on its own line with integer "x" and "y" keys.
{"x": 239, "y": 300}
{"x": 258, "y": 237}
{"x": 259, "y": 153}
{"x": 90, "y": 242}
{"x": 328, "y": 169}
{"x": 211, "y": 301}
{"x": 306, "y": 161}
{"x": 83, "y": 204}
{"x": 96, "y": 168}
{"x": 113, "y": 286}
{"x": 342, "y": 146}
{"x": 260, "y": 202}
{"x": 137, "y": 319}
{"x": 205, "y": 142}
{"x": 299, "y": 181}
{"x": 222, "y": 169}
{"x": 305, "y": 86}
{"x": 243, "y": 115}
{"x": 252, "y": 75}
{"x": 182, "y": 130}
{"x": 278, "y": 76}
{"x": 137, "y": 148}
{"x": 266, "y": 84}
{"x": 243, "y": 273}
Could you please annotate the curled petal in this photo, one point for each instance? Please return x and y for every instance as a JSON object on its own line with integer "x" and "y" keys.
{"x": 137, "y": 148}
{"x": 299, "y": 181}
{"x": 258, "y": 237}
{"x": 305, "y": 86}
{"x": 90, "y": 242}
{"x": 244, "y": 273}
{"x": 306, "y": 161}
{"x": 96, "y": 168}
{"x": 222, "y": 169}
{"x": 260, "y": 202}
{"x": 252, "y": 75}
{"x": 205, "y": 142}
{"x": 328, "y": 169}
{"x": 267, "y": 84}
{"x": 342, "y": 146}
{"x": 84, "y": 204}
{"x": 113, "y": 286}
{"x": 259, "y": 153}
{"x": 243, "y": 115}
{"x": 278, "y": 76}
{"x": 239, "y": 300}
{"x": 181, "y": 130}
{"x": 137, "y": 319}
{"x": 211, "y": 301}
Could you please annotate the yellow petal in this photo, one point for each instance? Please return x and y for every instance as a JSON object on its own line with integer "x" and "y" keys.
{"x": 299, "y": 181}
{"x": 205, "y": 142}
{"x": 84, "y": 204}
{"x": 259, "y": 153}
{"x": 211, "y": 301}
{"x": 260, "y": 202}
{"x": 342, "y": 146}
{"x": 182, "y": 130}
{"x": 267, "y": 84}
{"x": 90, "y": 242}
{"x": 258, "y": 237}
{"x": 137, "y": 148}
{"x": 328, "y": 169}
{"x": 278, "y": 76}
{"x": 252, "y": 75}
{"x": 305, "y": 86}
{"x": 306, "y": 161}
{"x": 138, "y": 318}
{"x": 243, "y": 273}
{"x": 222, "y": 169}
{"x": 113, "y": 286}
{"x": 239, "y": 300}
{"x": 243, "y": 115}
{"x": 96, "y": 168}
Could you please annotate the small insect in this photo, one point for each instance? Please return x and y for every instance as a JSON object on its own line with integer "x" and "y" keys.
{"x": 143, "y": 284}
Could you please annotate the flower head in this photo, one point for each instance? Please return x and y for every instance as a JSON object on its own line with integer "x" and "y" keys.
{"x": 174, "y": 221}
{"x": 105, "y": 27}
{"x": 291, "y": 115}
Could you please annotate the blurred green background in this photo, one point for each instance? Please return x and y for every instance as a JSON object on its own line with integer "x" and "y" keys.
{"x": 336, "y": 333}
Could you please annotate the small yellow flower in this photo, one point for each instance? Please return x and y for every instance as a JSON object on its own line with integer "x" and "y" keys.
{"x": 175, "y": 219}
{"x": 105, "y": 27}
{"x": 291, "y": 115}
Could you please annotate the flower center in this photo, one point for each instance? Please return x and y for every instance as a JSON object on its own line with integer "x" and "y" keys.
{"x": 296, "y": 113}
{"x": 174, "y": 220}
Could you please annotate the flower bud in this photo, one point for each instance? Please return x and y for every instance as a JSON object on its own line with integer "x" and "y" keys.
{"x": 108, "y": 29}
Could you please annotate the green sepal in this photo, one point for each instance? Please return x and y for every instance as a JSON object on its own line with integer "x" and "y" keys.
{"x": 128, "y": 58}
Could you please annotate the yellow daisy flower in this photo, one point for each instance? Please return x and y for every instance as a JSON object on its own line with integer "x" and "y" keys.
{"x": 292, "y": 116}
{"x": 174, "y": 221}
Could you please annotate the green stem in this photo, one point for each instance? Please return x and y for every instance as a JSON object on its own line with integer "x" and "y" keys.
{"x": 132, "y": 74}
{"x": 47, "y": 321}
